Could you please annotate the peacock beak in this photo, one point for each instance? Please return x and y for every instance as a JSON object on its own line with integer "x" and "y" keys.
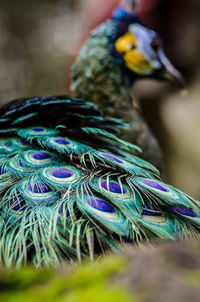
{"x": 169, "y": 71}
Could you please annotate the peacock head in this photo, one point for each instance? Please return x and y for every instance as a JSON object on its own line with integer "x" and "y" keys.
{"x": 140, "y": 48}
{"x": 117, "y": 53}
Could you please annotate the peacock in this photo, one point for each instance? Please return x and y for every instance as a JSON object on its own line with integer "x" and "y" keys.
{"x": 71, "y": 187}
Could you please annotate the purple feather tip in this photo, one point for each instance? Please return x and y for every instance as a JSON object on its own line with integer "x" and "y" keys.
{"x": 61, "y": 141}
{"x": 37, "y": 129}
{"x": 113, "y": 187}
{"x": 39, "y": 188}
{"x": 182, "y": 211}
{"x": 41, "y": 155}
{"x": 111, "y": 157}
{"x": 100, "y": 205}
{"x": 153, "y": 184}
{"x": 61, "y": 173}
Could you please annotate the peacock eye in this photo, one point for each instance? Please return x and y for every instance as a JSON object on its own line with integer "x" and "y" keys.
{"x": 155, "y": 44}
{"x": 131, "y": 46}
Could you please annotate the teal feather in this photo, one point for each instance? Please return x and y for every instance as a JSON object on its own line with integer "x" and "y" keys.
{"x": 109, "y": 137}
{"x": 36, "y": 132}
{"x": 82, "y": 195}
{"x": 23, "y": 118}
{"x": 135, "y": 160}
{"x": 63, "y": 145}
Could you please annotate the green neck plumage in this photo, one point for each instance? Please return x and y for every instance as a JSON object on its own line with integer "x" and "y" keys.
{"x": 99, "y": 78}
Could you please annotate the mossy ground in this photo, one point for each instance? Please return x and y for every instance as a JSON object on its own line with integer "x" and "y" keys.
{"x": 86, "y": 282}
{"x": 168, "y": 272}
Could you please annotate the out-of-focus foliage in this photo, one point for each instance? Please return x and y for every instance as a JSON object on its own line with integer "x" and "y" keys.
{"x": 88, "y": 282}
{"x": 36, "y": 41}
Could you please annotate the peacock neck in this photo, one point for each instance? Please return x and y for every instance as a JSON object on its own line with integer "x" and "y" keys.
{"x": 99, "y": 77}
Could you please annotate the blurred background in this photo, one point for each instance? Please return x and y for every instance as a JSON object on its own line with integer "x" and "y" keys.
{"x": 40, "y": 39}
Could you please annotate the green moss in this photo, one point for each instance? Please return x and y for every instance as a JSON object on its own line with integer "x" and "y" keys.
{"x": 22, "y": 279}
{"x": 87, "y": 282}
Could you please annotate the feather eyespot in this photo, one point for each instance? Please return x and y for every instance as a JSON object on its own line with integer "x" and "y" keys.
{"x": 18, "y": 205}
{"x": 155, "y": 185}
{"x": 116, "y": 152}
{"x": 111, "y": 157}
{"x": 7, "y": 144}
{"x": 182, "y": 211}
{"x": 61, "y": 173}
{"x": 39, "y": 188}
{"x": 20, "y": 163}
{"x": 100, "y": 205}
{"x": 36, "y": 158}
{"x": 61, "y": 212}
{"x": 153, "y": 215}
{"x": 105, "y": 213}
{"x": 172, "y": 197}
{"x": 2, "y": 171}
{"x": 23, "y": 142}
{"x": 149, "y": 211}
{"x": 61, "y": 141}
{"x": 113, "y": 187}
{"x": 41, "y": 155}
{"x": 37, "y": 129}
{"x": 62, "y": 176}
{"x": 38, "y": 192}
{"x": 35, "y": 132}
